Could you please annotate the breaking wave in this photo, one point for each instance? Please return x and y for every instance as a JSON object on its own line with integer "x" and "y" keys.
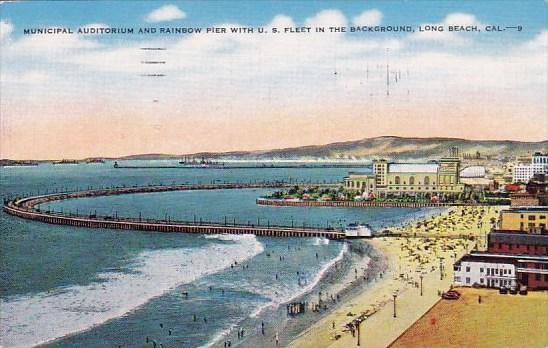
{"x": 38, "y": 318}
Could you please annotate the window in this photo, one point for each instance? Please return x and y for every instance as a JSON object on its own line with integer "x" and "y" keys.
{"x": 467, "y": 269}
{"x": 537, "y": 276}
{"x": 497, "y": 271}
{"x": 481, "y": 270}
{"x": 427, "y": 180}
{"x": 467, "y": 280}
{"x": 397, "y": 180}
{"x": 542, "y": 217}
{"x": 532, "y": 218}
{"x": 481, "y": 280}
{"x": 412, "y": 180}
{"x": 546, "y": 277}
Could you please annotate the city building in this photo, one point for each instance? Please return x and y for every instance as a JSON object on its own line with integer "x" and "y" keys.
{"x": 517, "y": 243}
{"x": 484, "y": 269}
{"x": 522, "y": 199}
{"x": 473, "y": 172}
{"x": 523, "y": 172}
{"x": 435, "y": 178}
{"x": 524, "y": 219}
{"x": 496, "y": 270}
{"x": 533, "y": 272}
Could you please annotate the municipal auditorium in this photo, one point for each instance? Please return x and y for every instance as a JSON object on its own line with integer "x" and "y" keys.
{"x": 434, "y": 178}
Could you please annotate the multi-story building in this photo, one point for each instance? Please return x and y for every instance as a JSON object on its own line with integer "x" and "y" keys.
{"x": 524, "y": 219}
{"x": 494, "y": 270}
{"x": 485, "y": 269}
{"x": 517, "y": 251}
{"x": 427, "y": 179}
{"x": 523, "y": 172}
{"x": 517, "y": 243}
{"x": 533, "y": 272}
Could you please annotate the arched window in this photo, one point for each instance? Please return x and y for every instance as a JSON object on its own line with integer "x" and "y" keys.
{"x": 397, "y": 180}
{"x": 427, "y": 180}
{"x": 412, "y": 180}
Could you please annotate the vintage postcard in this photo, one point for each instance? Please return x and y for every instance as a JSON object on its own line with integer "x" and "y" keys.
{"x": 268, "y": 174}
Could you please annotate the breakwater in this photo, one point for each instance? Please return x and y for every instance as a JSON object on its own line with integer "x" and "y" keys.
{"x": 26, "y": 208}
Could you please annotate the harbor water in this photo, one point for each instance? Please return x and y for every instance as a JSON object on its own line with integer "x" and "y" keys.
{"x": 75, "y": 287}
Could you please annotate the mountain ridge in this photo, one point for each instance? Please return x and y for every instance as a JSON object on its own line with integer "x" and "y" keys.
{"x": 387, "y": 146}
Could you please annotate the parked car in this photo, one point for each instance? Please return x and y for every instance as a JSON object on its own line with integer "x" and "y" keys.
{"x": 503, "y": 290}
{"x": 523, "y": 290}
{"x": 451, "y": 295}
{"x": 514, "y": 290}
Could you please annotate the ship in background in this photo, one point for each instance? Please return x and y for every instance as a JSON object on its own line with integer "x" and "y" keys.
{"x": 191, "y": 162}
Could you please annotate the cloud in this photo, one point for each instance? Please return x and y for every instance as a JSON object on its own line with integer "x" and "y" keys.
{"x": 6, "y": 28}
{"x": 28, "y": 77}
{"x": 165, "y": 14}
{"x": 538, "y": 42}
{"x": 56, "y": 44}
{"x": 96, "y": 25}
{"x": 327, "y": 18}
{"x": 456, "y": 18}
{"x": 368, "y": 18}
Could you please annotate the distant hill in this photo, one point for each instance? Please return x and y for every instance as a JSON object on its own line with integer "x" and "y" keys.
{"x": 389, "y": 147}
{"x": 385, "y": 146}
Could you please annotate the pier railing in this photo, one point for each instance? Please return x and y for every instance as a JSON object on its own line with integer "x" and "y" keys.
{"x": 27, "y": 208}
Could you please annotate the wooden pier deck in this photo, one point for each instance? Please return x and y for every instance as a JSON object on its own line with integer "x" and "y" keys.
{"x": 26, "y": 208}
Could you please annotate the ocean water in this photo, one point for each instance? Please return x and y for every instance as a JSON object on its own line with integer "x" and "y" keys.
{"x": 76, "y": 287}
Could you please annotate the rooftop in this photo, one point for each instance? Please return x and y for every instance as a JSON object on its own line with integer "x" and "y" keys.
{"x": 518, "y": 238}
{"x": 527, "y": 209}
{"x": 413, "y": 168}
{"x": 481, "y": 256}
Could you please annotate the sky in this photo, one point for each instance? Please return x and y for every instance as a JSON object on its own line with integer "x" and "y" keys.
{"x": 82, "y": 95}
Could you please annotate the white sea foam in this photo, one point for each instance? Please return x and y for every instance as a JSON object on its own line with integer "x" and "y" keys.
{"x": 288, "y": 294}
{"x": 38, "y": 318}
{"x": 321, "y": 241}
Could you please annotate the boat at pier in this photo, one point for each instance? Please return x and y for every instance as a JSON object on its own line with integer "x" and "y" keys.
{"x": 358, "y": 231}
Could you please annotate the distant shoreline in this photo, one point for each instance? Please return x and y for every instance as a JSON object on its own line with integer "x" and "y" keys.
{"x": 352, "y": 150}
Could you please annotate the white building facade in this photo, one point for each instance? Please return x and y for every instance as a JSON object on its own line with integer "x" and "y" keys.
{"x": 486, "y": 270}
{"x": 524, "y": 172}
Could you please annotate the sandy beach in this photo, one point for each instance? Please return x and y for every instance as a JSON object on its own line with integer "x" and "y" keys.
{"x": 419, "y": 251}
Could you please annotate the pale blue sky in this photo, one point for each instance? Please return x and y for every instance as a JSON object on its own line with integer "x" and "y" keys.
{"x": 85, "y": 95}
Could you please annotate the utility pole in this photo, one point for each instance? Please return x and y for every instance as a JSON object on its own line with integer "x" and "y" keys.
{"x": 441, "y": 268}
{"x": 358, "y": 327}
{"x": 421, "y": 276}
{"x": 395, "y": 295}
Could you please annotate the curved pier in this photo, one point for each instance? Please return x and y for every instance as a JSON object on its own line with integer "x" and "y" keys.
{"x": 26, "y": 208}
